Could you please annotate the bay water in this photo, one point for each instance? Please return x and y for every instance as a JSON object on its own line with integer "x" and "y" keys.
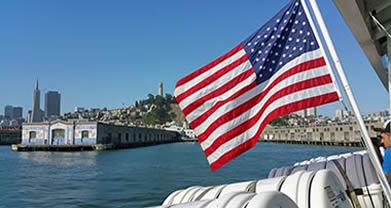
{"x": 133, "y": 178}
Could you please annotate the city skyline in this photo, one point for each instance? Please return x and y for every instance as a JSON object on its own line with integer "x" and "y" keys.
{"x": 100, "y": 61}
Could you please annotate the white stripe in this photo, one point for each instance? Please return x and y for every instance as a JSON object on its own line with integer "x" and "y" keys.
{"x": 179, "y": 90}
{"x": 210, "y": 103}
{"x": 245, "y": 136}
{"x": 316, "y": 72}
{"x": 303, "y": 58}
{"x": 216, "y": 84}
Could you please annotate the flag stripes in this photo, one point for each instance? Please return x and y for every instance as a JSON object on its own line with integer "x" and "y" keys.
{"x": 278, "y": 70}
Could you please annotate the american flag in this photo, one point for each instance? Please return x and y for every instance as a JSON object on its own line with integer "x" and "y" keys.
{"x": 277, "y": 70}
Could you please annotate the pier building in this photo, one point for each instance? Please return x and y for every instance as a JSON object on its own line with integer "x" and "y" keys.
{"x": 10, "y": 135}
{"x": 333, "y": 134}
{"x": 92, "y": 133}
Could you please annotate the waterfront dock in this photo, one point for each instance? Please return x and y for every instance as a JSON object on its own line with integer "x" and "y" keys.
{"x": 322, "y": 143}
{"x": 331, "y": 135}
{"x": 76, "y": 148}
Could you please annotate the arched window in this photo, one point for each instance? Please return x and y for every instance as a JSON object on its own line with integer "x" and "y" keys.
{"x": 84, "y": 134}
{"x": 32, "y": 135}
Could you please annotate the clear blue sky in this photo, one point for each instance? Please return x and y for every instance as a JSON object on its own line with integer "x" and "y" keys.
{"x": 104, "y": 53}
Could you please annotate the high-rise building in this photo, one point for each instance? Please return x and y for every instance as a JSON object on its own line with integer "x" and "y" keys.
{"x": 52, "y": 104}
{"x": 17, "y": 113}
{"x": 311, "y": 112}
{"x": 36, "y": 111}
{"x": 160, "y": 91}
{"x": 8, "y": 111}
{"x": 29, "y": 116}
{"x": 339, "y": 114}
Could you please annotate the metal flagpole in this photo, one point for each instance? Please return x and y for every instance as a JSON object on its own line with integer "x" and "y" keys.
{"x": 364, "y": 132}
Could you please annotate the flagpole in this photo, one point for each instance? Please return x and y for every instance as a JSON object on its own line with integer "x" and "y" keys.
{"x": 364, "y": 132}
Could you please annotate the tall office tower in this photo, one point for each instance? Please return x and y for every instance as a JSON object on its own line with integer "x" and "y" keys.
{"x": 301, "y": 113}
{"x": 338, "y": 114}
{"x": 36, "y": 111}
{"x": 17, "y": 112}
{"x": 29, "y": 117}
{"x": 8, "y": 111}
{"x": 311, "y": 112}
{"x": 160, "y": 91}
{"x": 52, "y": 104}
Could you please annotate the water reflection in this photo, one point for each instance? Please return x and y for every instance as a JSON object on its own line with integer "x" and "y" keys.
{"x": 65, "y": 159}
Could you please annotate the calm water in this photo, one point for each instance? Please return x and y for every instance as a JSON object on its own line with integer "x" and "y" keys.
{"x": 131, "y": 178}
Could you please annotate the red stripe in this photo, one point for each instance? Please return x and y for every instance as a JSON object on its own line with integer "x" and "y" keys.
{"x": 283, "y": 110}
{"x": 294, "y": 70}
{"x": 326, "y": 79}
{"x": 215, "y": 76}
{"x": 219, "y": 91}
{"x": 208, "y": 66}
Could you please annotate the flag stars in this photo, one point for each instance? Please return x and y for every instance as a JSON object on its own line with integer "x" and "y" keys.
{"x": 278, "y": 20}
{"x": 297, "y": 4}
{"x": 249, "y": 44}
{"x": 299, "y": 13}
{"x": 296, "y": 22}
{"x": 259, "y": 52}
{"x": 267, "y": 29}
{"x": 312, "y": 43}
{"x": 265, "y": 36}
{"x": 280, "y": 63}
{"x": 293, "y": 30}
{"x": 301, "y": 32}
{"x": 304, "y": 23}
{"x": 252, "y": 50}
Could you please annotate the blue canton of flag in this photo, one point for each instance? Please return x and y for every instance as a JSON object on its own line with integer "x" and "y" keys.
{"x": 286, "y": 36}
{"x": 278, "y": 70}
